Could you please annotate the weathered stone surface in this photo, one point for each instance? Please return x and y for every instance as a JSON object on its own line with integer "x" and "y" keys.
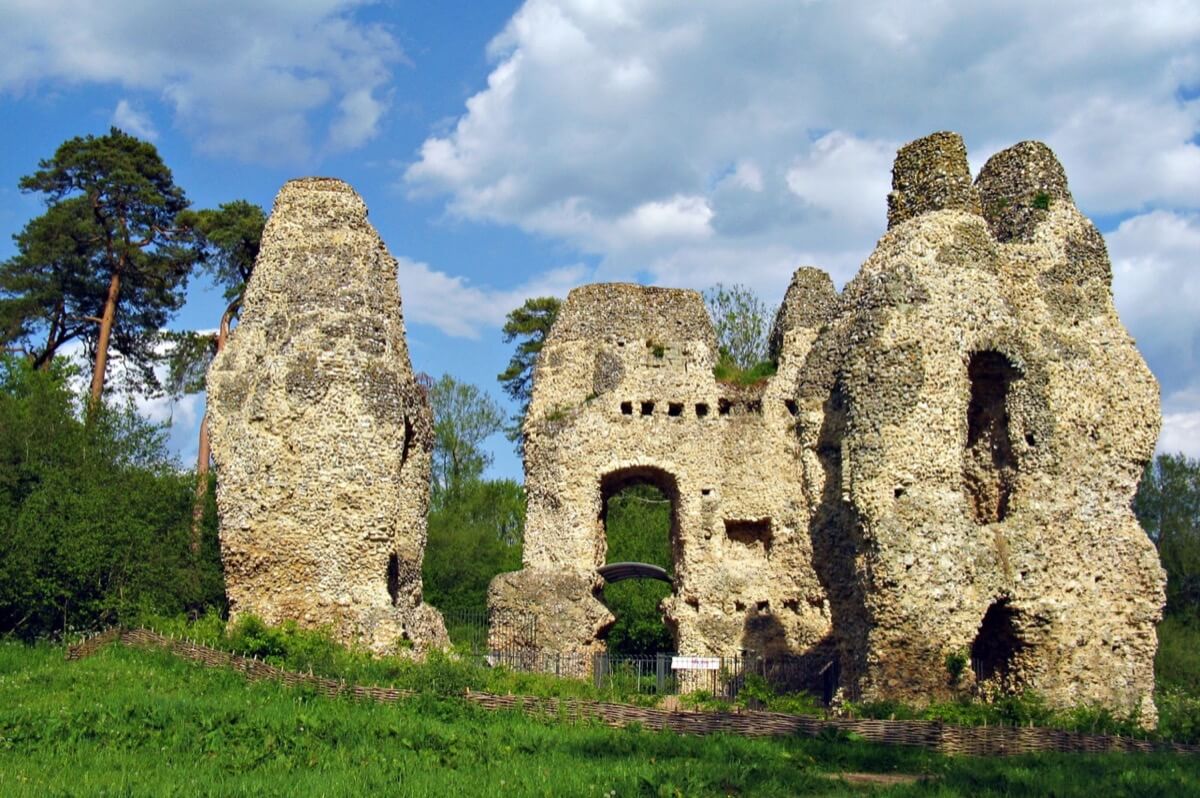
{"x": 943, "y": 465}
{"x": 624, "y": 392}
{"x": 320, "y": 435}
{"x": 976, "y": 453}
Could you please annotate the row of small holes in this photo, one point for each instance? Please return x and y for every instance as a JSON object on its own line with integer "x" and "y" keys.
{"x": 675, "y": 409}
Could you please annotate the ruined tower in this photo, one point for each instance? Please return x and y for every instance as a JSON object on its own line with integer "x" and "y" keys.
{"x": 933, "y": 492}
{"x": 975, "y": 421}
{"x": 320, "y": 435}
{"x": 624, "y": 392}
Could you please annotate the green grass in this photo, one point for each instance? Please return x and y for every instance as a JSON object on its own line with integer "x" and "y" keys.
{"x": 729, "y": 372}
{"x": 133, "y": 722}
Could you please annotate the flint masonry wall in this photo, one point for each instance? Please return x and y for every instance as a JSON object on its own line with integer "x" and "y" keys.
{"x": 974, "y": 423}
{"x": 624, "y": 393}
{"x": 320, "y": 435}
{"x": 942, "y": 467}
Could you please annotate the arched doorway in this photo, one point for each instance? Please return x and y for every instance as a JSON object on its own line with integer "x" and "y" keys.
{"x": 639, "y": 519}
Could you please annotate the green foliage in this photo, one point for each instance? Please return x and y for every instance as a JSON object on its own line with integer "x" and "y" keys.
{"x": 113, "y": 210}
{"x": 1168, "y": 506}
{"x": 229, "y": 239}
{"x": 740, "y": 320}
{"x": 1041, "y": 201}
{"x": 132, "y": 722}
{"x": 528, "y": 325}
{"x": 94, "y": 519}
{"x": 728, "y": 371}
{"x": 463, "y": 417}
{"x": 638, "y": 529}
{"x": 474, "y": 534}
{"x": 956, "y": 663}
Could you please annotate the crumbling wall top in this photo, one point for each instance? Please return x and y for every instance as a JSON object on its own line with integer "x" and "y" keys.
{"x": 1018, "y": 186}
{"x": 627, "y": 311}
{"x": 931, "y": 174}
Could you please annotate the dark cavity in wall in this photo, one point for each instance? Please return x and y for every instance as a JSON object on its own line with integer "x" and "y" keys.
{"x": 750, "y": 533}
{"x": 997, "y": 644}
{"x": 675, "y": 408}
{"x": 701, "y": 410}
{"x": 647, "y": 408}
{"x": 627, "y": 408}
{"x": 408, "y": 433}
{"x": 393, "y": 577}
{"x": 989, "y": 462}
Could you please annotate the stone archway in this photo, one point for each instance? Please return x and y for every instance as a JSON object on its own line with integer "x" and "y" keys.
{"x": 639, "y": 528}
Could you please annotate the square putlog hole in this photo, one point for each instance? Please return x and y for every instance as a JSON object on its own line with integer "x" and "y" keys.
{"x": 701, "y": 410}
{"x": 647, "y": 408}
{"x": 675, "y": 409}
{"x": 627, "y": 408}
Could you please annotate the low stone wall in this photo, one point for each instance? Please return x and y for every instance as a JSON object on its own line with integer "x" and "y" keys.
{"x": 932, "y": 735}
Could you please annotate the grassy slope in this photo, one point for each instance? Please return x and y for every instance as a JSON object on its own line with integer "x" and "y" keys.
{"x": 143, "y": 723}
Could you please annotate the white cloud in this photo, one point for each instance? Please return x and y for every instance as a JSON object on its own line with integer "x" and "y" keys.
{"x": 248, "y": 79}
{"x": 133, "y": 120}
{"x": 639, "y": 130}
{"x": 460, "y": 309}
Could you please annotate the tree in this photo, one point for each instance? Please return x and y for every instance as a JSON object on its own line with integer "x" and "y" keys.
{"x": 473, "y": 535}
{"x": 531, "y": 324}
{"x": 94, "y": 515}
{"x": 1168, "y": 506}
{"x": 463, "y": 417}
{"x": 131, "y": 255}
{"x": 49, "y": 295}
{"x": 740, "y": 319}
{"x": 229, "y": 240}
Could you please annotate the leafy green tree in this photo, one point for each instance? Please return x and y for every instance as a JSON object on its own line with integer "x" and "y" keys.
{"x": 94, "y": 517}
{"x": 638, "y": 529}
{"x": 473, "y": 535}
{"x": 740, "y": 319}
{"x": 528, "y": 325}
{"x": 131, "y": 254}
{"x": 1168, "y": 506}
{"x": 230, "y": 238}
{"x": 463, "y": 417}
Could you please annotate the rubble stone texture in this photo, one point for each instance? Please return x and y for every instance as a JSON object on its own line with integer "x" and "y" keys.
{"x": 320, "y": 435}
{"x": 942, "y": 468}
{"x": 624, "y": 393}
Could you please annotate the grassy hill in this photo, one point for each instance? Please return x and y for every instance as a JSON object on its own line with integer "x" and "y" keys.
{"x": 131, "y": 722}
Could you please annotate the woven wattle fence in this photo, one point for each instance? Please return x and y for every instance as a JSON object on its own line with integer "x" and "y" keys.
{"x": 933, "y": 735}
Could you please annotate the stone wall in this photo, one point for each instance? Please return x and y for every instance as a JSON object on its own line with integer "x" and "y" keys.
{"x": 320, "y": 436}
{"x": 624, "y": 393}
{"x": 976, "y": 419}
{"x": 942, "y": 467}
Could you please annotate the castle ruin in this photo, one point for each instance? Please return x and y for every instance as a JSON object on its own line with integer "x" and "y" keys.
{"x": 320, "y": 434}
{"x": 942, "y": 467}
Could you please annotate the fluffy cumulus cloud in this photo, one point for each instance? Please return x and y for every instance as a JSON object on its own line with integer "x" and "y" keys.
{"x": 689, "y": 143}
{"x": 1156, "y": 279}
{"x": 255, "y": 80}
{"x": 461, "y": 309}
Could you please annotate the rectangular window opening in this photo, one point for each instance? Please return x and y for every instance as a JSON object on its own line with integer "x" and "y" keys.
{"x": 750, "y": 533}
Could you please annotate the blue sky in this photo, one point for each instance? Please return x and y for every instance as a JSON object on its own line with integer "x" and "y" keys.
{"x": 508, "y": 150}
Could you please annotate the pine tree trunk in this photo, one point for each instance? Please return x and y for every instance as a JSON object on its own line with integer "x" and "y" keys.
{"x": 203, "y": 450}
{"x": 106, "y": 325}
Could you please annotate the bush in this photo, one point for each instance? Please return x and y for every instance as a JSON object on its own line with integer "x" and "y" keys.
{"x": 95, "y": 517}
